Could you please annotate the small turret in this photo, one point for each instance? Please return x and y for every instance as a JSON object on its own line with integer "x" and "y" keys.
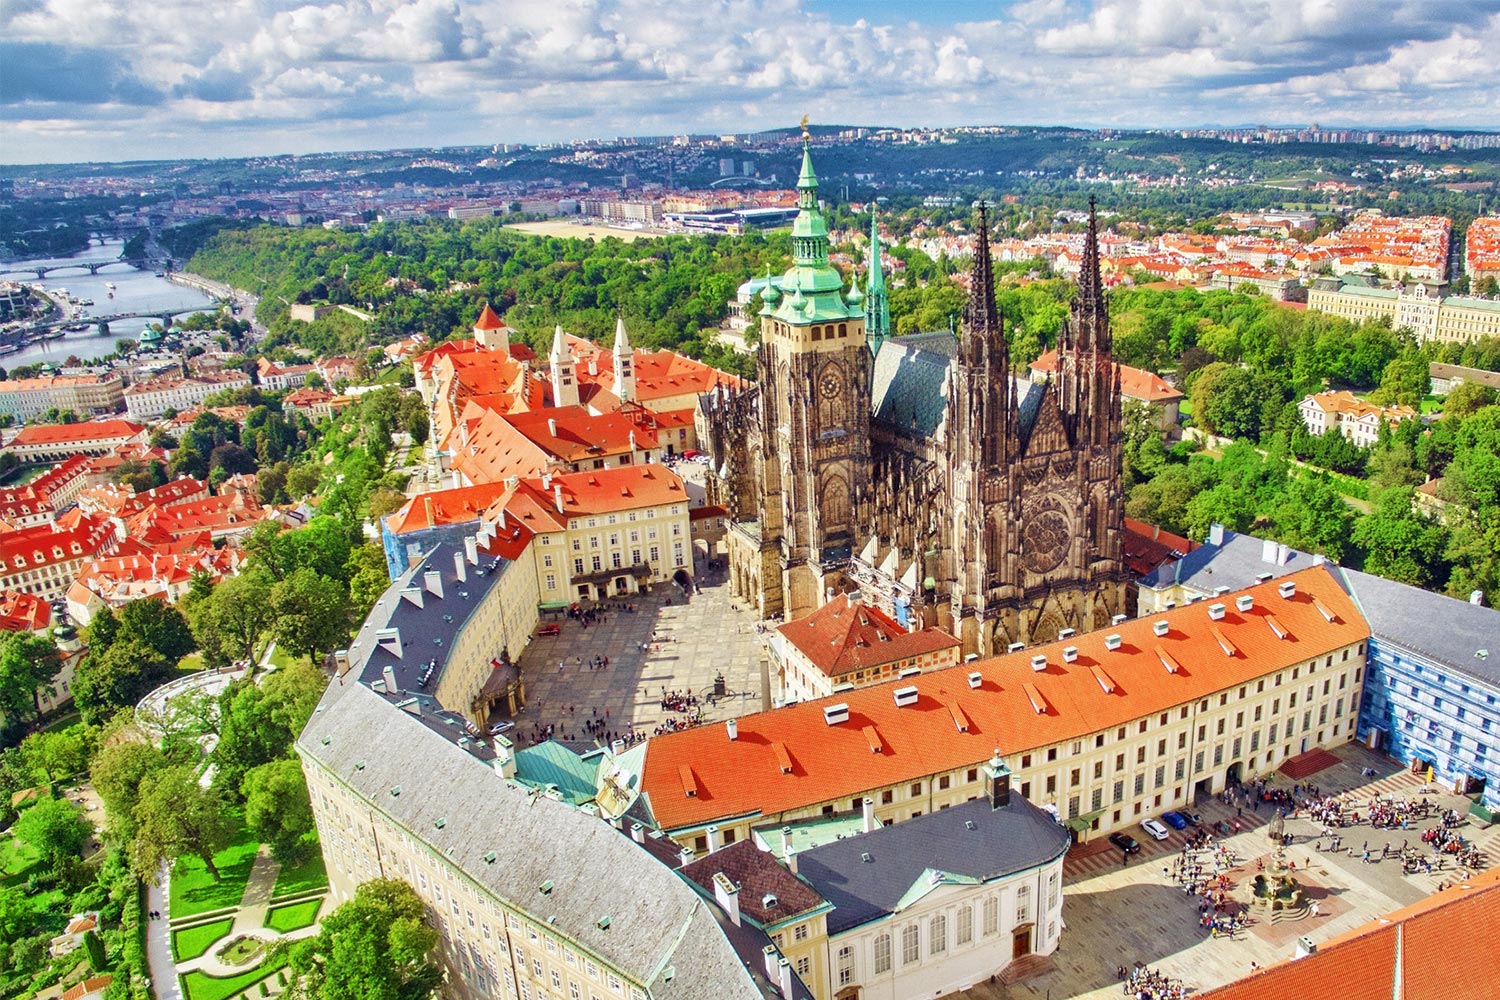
{"x": 877, "y": 309}
{"x": 624, "y": 386}
{"x": 564, "y": 382}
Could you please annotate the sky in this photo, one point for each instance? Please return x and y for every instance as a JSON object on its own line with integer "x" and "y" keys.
{"x": 105, "y": 80}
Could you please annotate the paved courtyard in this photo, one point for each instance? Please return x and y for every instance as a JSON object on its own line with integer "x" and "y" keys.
{"x": 688, "y": 643}
{"x": 1118, "y": 916}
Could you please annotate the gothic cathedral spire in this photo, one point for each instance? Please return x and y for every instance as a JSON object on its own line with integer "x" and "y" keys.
{"x": 877, "y": 309}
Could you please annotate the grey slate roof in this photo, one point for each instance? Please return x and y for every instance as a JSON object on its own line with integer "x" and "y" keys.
{"x": 426, "y": 632}
{"x": 909, "y": 387}
{"x": 1003, "y": 842}
{"x": 656, "y": 920}
{"x": 1236, "y": 564}
{"x": 1443, "y": 629}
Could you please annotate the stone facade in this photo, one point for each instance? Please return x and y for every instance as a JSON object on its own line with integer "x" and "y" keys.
{"x": 918, "y": 469}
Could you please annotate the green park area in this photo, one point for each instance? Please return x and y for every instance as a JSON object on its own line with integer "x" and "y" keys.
{"x": 198, "y": 986}
{"x": 195, "y": 890}
{"x": 190, "y": 942}
{"x": 293, "y": 916}
{"x": 305, "y": 876}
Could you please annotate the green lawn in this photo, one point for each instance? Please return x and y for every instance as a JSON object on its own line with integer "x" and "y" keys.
{"x": 194, "y": 891}
{"x": 305, "y": 877}
{"x": 293, "y": 916}
{"x": 190, "y": 664}
{"x": 16, "y": 858}
{"x": 281, "y": 658}
{"x": 190, "y": 942}
{"x": 197, "y": 986}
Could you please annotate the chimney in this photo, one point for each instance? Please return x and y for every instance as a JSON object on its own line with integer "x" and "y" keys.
{"x": 432, "y": 581}
{"x": 1287, "y": 588}
{"x": 460, "y": 571}
{"x": 557, "y": 497}
{"x": 685, "y": 857}
{"x": 769, "y": 955}
{"x": 1039, "y": 662}
{"x": 732, "y": 727}
{"x": 786, "y": 849}
{"x": 1161, "y": 627}
{"x": 1283, "y": 554}
{"x": 1112, "y": 641}
{"x": 471, "y": 547}
{"x": 389, "y": 673}
{"x": 594, "y": 370}
{"x": 389, "y": 639}
{"x": 727, "y": 894}
{"x": 1476, "y": 598}
{"x": 1268, "y": 551}
{"x": 617, "y": 747}
{"x": 1305, "y": 947}
{"x": 638, "y": 833}
{"x": 713, "y": 838}
{"x": 1070, "y": 654}
{"x": 552, "y": 426}
{"x": 505, "y": 762}
{"x": 1216, "y": 534}
{"x": 1216, "y": 612}
{"x": 1244, "y": 602}
{"x": 784, "y": 977}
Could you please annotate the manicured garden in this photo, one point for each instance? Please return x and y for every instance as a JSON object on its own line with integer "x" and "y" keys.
{"x": 190, "y": 942}
{"x": 303, "y": 877}
{"x": 195, "y": 891}
{"x": 293, "y": 916}
{"x": 198, "y": 986}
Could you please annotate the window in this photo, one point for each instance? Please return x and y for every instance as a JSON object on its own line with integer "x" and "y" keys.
{"x": 916, "y": 789}
{"x": 800, "y": 933}
{"x": 943, "y": 781}
{"x": 1140, "y": 783}
{"x": 937, "y": 935}
{"x": 991, "y": 915}
{"x": 965, "y": 925}
{"x": 1096, "y": 802}
{"x": 1051, "y": 754}
{"x": 1023, "y": 904}
{"x": 1140, "y": 755}
{"x": 1119, "y": 791}
{"x": 887, "y": 797}
{"x": 804, "y": 965}
{"x": 1161, "y": 775}
{"x": 1098, "y": 769}
{"x": 1119, "y": 762}
{"x": 1075, "y": 777}
{"x": 910, "y": 946}
{"x": 882, "y": 954}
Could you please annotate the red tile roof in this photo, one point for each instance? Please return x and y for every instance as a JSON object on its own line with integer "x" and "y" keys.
{"x": 74, "y": 538}
{"x": 844, "y": 636}
{"x": 1148, "y": 546}
{"x": 760, "y": 878}
{"x": 456, "y": 506}
{"x": 1134, "y": 382}
{"x": 88, "y": 430}
{"x": 585, "y": 494}
{"x": 23, "y": 612}
{"x": 92, "y": 985}
{"x": 1430, "y": 938}
{"x": 741, "y": 777}
{"x": 488, "y": 319}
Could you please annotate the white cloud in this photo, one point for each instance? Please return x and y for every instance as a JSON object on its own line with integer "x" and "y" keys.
{"x": 486, "y": 70}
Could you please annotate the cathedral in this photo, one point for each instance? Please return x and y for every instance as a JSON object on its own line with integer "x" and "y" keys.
{"x": 917, "y": 470}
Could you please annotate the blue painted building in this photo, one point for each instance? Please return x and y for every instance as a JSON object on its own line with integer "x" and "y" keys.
{"x": 1432, "y": 690}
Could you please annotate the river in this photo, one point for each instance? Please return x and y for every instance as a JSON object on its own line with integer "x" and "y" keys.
{"x": 135, "y": 291}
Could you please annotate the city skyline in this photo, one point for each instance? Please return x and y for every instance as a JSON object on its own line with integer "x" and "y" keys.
{"x": 174, "y": 80}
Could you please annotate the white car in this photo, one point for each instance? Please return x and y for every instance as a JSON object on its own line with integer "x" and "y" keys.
{"x": 1155, "y": 828}
{"x": 501, "y": 727}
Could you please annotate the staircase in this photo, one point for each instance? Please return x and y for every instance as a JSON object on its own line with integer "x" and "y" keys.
{"x": 1024, "y": 968}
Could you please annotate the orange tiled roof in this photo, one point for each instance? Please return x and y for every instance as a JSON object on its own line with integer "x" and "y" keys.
{"x": 455, "y": 506}
{"x": 69, "y": 538}
{"x": 488, "y": 319}
{"x": 588, "y": 493}
{"x": 92, "y": 985}
{"x": 21, "y": 612}
{"x": 742, "y": 777}
{"x": 1148, "y": 546}
{"x": 88, "y": 430}
{"x": 1361, "y": 964}
{"x": 1349, "y": 405}
{"x": 844, "y": 636}
{"x": 1134, "y": 382}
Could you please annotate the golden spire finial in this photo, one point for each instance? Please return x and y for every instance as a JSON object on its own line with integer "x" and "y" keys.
{"x": 806, "y": 136}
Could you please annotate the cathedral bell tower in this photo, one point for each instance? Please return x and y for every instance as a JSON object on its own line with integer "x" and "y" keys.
{"x": 815, "y": 367}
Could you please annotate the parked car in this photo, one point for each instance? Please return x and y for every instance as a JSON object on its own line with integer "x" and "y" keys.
{"x": 1175, "y": 820}
{"x": 1124, "y": 842}
{"x": 551, "y": 628}
{"x": 1154, "y": 828}
{"x": 501, "y": 727}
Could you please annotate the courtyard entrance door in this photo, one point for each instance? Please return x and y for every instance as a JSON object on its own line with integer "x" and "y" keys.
{"x": 1020, "y": 942}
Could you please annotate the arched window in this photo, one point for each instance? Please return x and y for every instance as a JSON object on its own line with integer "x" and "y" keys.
{"x": 911, "y": 948}
{"x": 937, "y": 935}
{"x": 965, "y": 929}
{"x": 882, "y": 954}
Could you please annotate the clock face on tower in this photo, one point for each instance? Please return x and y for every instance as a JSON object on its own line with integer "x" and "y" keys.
{"x": 830, "y": 385}
{"x": 1044, "y": 540}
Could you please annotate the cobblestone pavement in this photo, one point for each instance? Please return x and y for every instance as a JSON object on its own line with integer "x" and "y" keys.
{"x": 694, "y": 642}
{"x": 1121, "y": 915}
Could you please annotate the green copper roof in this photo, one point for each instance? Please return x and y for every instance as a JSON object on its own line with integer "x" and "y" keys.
{"x": 812, "y": 289}
{"x": 877, "y": 308}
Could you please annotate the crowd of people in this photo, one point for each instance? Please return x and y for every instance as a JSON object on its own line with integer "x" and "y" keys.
{"x": 1144, "y": 984}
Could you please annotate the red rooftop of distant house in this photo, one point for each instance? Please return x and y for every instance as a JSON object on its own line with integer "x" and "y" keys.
{"x": 1016, "y": 707}
{"x": 1135, "y": 383}
{"x": 21, "y": 612}
{"x": 455, "y": 506}
{"x": 88, "y": 430}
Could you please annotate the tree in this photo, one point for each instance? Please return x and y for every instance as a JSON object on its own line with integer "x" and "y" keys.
{"x": 1467, "y": 398}
{"x": 60, "y": 753}
{"x": 277, "y": 809}
{"x": 175, "y": 816}
{"x": 1231, "y": 403}
{"x": 310, "y": 613}
{"x": 377, "y": 946}
{"x": 56, "y": 828}
{"x": 1404, "y": 382}
{"x": 231, "y": 620}
{"x": 368, "y": 577}
{"x": 159, "y": 626}
{"x": 259, "y": 722}
{"x": 27, "y": 661}
{"x": 383, "y": 501}
{"x": 118, "y": 772}
{"x": 1401, "y": 544}
{"x": 124, "y": 673}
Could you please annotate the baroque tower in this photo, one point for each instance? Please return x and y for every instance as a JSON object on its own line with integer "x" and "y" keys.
{"x": 624, "y": 386}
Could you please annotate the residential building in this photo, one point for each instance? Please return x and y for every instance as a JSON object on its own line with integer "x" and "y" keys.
{"x": 1136, "y": 384}
{"x": 57, "y": 442}
{"x": 1445, "y": 377}
{"x": 1432, "y": 697}
{"x": 1357, "y": 420}
{"x": 86, "y": 395}
{"x": 428, "y": 518}
{"x": 1276, "y": 285}
{"x": 38, "y": 501}
{"x": 44, "y": 559}
{"x": 1406, "y": 953}
{"x": 226, "y": 516}
{"x": 1106, "y": 728}
{"x": 318, "y": 404}
{"x": 151, "y": 399}
{"x": 847, "y": 643}
{"x": 22, "y": 612}
{"x": 276, "y": 377}
{"x": 1482, "y": 249}
{"x": 166, "y": 576}
{"x": 489, "y": 447}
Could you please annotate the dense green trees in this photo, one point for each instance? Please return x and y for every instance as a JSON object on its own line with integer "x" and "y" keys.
{"x": 175, "y": 815}
{"x": 27, "y": 661}
{"x": 377, "y": 946}
{"x": 259, "y": 722}
{"x": 278, "y": 811}
{"x": 56, "y": 828}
